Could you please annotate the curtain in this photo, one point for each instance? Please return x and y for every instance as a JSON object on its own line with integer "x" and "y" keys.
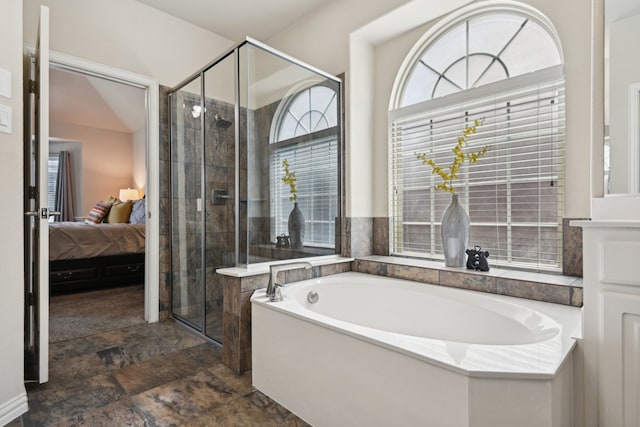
{"x": 64, "y": 188}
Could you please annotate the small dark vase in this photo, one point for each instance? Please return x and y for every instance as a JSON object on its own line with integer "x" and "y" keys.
{"x": 296, "y": 227}
{"x": 455, "y": 233}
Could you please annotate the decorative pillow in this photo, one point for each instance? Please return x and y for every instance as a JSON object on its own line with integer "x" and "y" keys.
{"x": 98, "y": 213}
{"x": 138, "y": 212}
{"x": 120, "y": 212}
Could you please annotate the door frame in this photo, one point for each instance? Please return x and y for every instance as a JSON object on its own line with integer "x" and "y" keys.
{"x": 152, "y": 190}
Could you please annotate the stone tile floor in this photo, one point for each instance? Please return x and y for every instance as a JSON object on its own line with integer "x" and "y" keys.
{"x": 147, "y": 375}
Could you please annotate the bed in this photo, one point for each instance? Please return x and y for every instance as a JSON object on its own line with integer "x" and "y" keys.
{"x": 90, "y": 256}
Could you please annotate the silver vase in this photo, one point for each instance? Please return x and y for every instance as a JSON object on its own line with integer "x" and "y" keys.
{"x": 296, "y": 227}
{"x": 455, "y": 233}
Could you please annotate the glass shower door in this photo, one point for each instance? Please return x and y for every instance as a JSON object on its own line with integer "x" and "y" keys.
{"x": 203, "y": 189}
{"x": 187, "y": 164}
{"x": 220, "y": 195}
{"x": 228, "y": 141}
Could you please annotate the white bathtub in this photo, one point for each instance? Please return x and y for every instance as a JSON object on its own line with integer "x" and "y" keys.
{"x": 381, "y": 351}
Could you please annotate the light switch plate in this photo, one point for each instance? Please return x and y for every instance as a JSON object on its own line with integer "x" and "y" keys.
{"x": 5, "y": 83}
{"x": 6, "y": 117}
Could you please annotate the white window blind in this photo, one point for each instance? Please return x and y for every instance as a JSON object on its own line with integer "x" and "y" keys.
{"x": 514, "y": 194}
{"x": 315, "y": 166}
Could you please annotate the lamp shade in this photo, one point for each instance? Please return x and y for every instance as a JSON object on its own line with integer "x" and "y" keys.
{"x": 128, "y": 194}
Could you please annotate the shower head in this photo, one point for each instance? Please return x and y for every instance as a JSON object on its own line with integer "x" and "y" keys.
{"x": 221, "y": 122}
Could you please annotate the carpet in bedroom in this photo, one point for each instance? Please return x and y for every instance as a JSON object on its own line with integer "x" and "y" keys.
{"x": 87, "y": 313}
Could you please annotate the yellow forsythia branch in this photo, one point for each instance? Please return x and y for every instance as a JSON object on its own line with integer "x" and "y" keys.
{"x": 459, "y": 157}
{"x": 289, "y": 178}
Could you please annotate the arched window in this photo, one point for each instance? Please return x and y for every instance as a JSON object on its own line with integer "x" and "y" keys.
{"x": 312, "y": 110}
{"x": 503, "y": 68}
{"x": 303, "y": 134}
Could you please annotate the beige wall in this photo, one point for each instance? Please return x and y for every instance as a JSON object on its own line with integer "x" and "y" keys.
{"x": 12, "y": 392}
{"x": 107, "y": 161}
{"x": 126, "y": 34}
{"x": 321, "y": 39}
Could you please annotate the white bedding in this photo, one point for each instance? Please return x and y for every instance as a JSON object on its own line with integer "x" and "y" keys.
{"x": 72, "y": 240}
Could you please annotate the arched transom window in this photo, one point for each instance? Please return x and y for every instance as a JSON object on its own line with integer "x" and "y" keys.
{"x": 312, "y": 110}
{"x": 503, "y": 68}
{"x": 483, "y": 49}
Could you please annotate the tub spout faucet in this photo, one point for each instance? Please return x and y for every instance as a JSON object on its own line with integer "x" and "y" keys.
{"x": 272, "y": 288}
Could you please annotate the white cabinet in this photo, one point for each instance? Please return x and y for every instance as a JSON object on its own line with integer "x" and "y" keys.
{"x": 611, "y": 322}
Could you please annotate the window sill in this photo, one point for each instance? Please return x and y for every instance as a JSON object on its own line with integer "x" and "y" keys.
{"x": 263, "y": 267}
{"x": 271, "y": 252}
{"x": 566, "y": 290}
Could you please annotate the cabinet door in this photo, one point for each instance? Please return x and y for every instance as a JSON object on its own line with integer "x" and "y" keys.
{"x": 620, "y": 359}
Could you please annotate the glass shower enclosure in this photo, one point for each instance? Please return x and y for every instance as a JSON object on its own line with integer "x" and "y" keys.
{"x": 234, "y": 124}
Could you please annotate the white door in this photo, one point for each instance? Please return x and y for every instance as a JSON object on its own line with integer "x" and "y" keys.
{"x": 37, "y": 212}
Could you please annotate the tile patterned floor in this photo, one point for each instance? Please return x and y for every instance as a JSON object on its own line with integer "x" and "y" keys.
{"x": 147, "y": 375}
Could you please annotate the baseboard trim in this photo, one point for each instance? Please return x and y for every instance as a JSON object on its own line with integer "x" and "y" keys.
{"x": 13, "y": 408}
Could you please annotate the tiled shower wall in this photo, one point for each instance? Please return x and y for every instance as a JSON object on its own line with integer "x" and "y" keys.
{"x": 220, "y": 174}
{"x": 219, "y": 156}
{"x": 165, "y": 205}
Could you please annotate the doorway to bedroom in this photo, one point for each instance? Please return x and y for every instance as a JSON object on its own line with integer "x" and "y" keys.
{"x": 97, "y": 180}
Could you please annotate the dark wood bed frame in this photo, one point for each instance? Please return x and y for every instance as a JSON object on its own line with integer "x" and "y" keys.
{"x": 95, "y": 273}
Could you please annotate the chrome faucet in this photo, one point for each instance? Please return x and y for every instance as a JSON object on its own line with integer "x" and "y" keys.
{"x": 273, "y": 291}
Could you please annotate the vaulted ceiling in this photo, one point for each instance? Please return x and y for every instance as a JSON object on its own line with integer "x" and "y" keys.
{"x": 95, "y": 102}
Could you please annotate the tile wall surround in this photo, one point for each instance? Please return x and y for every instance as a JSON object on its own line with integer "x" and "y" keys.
{"x": 238, "y": 285}
{"x": 357, "y": 236}
{"x": 381, "y": 236}
{"x": 566, "y": 290}
{"x": 571, "y": 248}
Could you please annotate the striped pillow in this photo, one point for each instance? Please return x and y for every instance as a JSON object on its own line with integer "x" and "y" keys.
{"x": 98, "y": 213}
